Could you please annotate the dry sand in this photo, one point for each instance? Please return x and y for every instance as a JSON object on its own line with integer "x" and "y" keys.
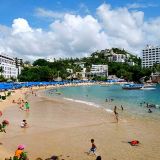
{"x": 60, "y": 127}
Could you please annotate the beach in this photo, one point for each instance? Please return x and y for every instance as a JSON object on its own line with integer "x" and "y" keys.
{"x": 61, "y": 127}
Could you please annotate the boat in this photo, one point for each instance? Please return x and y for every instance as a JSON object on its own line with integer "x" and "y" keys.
{"x": 149, "y": 86}
{"x": 131, "y": 86}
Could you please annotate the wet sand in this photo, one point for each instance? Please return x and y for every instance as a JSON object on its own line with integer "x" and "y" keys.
{"x": 60, "y": 127}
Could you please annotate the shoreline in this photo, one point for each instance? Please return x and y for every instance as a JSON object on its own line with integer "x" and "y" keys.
{"x": 83, "y": 123}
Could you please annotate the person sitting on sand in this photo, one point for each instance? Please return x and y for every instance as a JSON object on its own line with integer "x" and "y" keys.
{"x": 134, "y": 143}
{"x": 24, "y": 124}
{"x": 3, "y": 126}
{"x": 93, "y": 147}
{"x": 20, "y": 154}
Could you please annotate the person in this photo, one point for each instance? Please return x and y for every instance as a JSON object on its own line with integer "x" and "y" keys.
{"x": 147, "y": 105}
{"x": 21, "y": 106}
{"x": 98, "y": 158}
{"x": 134, "y": 142}
{"x": 20, "y": 154}
{"x": 0, "y": 113}
{"x": 121, "y": 107}
{"x": 115, "y": 109}
{"x": 116, "y": 113}
{"x": 3, "y": 126}
{"x": 27, "y": 106}
{"x": 93, "y": 147}
{"x": 149, "y": 110}
{"x": 24, "y": 124}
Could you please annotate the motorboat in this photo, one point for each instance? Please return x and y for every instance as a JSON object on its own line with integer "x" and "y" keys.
{"x": 131, "y": 86}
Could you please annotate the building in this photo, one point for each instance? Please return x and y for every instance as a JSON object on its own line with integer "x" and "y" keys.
{"x": 50, "y": 59}
{"x": 81, "y": 64}
{"x": 155, "y": 77}
{"x": 11, "y": 67}
{"x": 150, "y": 56}
{"x": 69, "y": 70}
{"x": 99, "y": 70}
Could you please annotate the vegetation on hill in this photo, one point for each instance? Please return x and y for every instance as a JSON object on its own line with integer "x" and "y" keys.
{"x": 43, "y": 70}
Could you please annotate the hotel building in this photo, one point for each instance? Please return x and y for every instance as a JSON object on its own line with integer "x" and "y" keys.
{"x": 150, "y": 56}
{"x": 99, "y": 70}
{"x": 11, "y": 67}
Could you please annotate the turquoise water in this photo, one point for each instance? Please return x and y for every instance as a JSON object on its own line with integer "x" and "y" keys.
{"x": 130, "y": 99}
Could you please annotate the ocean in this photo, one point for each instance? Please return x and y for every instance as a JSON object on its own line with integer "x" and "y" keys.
{"x": 133, "y": 101}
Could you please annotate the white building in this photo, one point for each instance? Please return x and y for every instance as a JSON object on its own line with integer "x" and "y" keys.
{"x": 99, "y": 70}
{"x": 117, "y": 58}
{"x": 9, "y": 66}
{"x": 50, "y": 59}
{"x": 150, "y": 56}
{"x": 81, "y": 64}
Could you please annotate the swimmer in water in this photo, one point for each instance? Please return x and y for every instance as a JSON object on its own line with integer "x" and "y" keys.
{"x": 149, "y": 110}
{"x": 121, "y": 107}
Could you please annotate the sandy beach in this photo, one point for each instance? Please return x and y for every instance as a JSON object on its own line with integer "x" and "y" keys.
{"x": 61, "y": 127}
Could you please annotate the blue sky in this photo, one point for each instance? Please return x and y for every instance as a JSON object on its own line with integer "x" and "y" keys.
{"x": 11, "y": 9}
{"x": 34, "y": 29}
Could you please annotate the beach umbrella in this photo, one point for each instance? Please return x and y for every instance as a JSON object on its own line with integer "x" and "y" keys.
{"x": 21, "y": 146}
{"x": 0, "y": 113}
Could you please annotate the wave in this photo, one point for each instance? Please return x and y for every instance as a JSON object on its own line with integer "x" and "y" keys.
{"x": 87, "y": 103}
{"x": 109, "y": 110}
{"x": 84, "y": 102}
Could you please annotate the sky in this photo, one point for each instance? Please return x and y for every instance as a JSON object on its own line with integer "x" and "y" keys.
{"x": 32, "y": 29}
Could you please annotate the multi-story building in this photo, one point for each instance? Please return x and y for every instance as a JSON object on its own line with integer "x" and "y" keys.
{"x": 150, "y": 56}
{"x": 11, "y": 67}
{"x": 117, "y": 58}
{"x": 99, "y": 70}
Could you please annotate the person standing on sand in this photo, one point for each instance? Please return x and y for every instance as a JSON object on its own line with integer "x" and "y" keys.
{"x": 27, "y": 106}
{"x": 116, "y": 113}
{"x": 93, "y": 147}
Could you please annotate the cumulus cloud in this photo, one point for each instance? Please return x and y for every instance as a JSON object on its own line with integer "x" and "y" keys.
{"x": 20, "y": 25}
{"x": 76, "y": 36}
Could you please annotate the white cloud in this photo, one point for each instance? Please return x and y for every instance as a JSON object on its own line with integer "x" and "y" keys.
{"x": 41, "y": 12}
{"x": 20, "y": 25}
{"x": 76, "y": 36}
{"x": 138, "y": 5}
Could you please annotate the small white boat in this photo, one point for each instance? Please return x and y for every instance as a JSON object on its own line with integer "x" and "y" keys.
{"x": 149, "y": 86}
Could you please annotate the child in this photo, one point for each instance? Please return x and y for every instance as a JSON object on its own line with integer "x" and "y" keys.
{"x": 93, "y": 147}
{"x": 3, "y": 126}
{"x": 24, "y": 124}
{"x": 27, "y": 106}
{"x": 20, "y": 154}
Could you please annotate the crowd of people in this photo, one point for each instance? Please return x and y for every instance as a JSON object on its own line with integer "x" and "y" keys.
{"x": 20, "y": 154}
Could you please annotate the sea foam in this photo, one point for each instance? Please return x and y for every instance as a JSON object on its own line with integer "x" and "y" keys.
{"x": 84, "y": 102}
{"x": 87, "y": 103}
